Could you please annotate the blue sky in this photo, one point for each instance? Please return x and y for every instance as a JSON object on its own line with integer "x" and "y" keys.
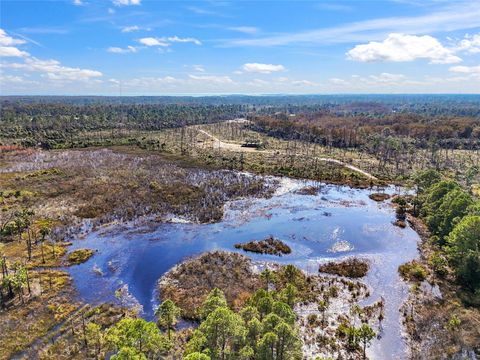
{"x": 140, "y": 47}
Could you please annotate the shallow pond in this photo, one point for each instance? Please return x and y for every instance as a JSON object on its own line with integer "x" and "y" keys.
{"x": 339, "y": 221}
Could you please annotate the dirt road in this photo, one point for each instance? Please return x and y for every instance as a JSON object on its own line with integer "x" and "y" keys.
{"x": 219, "y": 144}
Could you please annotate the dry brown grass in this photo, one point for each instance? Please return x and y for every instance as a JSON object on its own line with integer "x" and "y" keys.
{"x": 121, "y": 184}
{"x": 269, "y": 246}
{"x": 352, "y": 268}
{"x": 189, "y": 283}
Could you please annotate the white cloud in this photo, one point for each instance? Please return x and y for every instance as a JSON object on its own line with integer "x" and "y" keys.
{"x": 262, "y": 68}
{"x": 167, "y": 41}
{"x": 53, "y": 70}
{"x": 6, "y": 40}
{"x": 472, "y": 72}
{"x": 183, "y": 40}
{"x": 466, "y": 69}
{"x": 212, "y": 79}
{"x": 126, "y": 2}
{"x": 77, "y": 2}
{"x": 198, "y": 68}
{"x": 151, "y": 41}
{"x": 470, "y": 44}
{"x": 128, "y": 29}
{"x": 337, "y": 81}
{"x": 11, "y": 51}
{"x": 148, "y": 82}
{"x": 118, "y": 50}
{"x": 258, "y": 83}
{"x": 387, "y": 77}
{"x": 244, "y": 29}
{"x": 17, "y": 80}
{"x": 6, "y": 48}
{"x": 304, "y": 83}
{"x": 451, "y": 17}
{"x": 401, "y": 47}
{"x": 382, "y": 81}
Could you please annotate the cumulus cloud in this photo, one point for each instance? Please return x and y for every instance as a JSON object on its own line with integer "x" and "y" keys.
{"x": 262, "y": 68}
{"x": 77, "y": 2}
{"x": 6, "y": 40}
{"x": 151, "y": 41}
{"x": 11, "y": 51}
{"x": 53, "y": 70}
{"x": 400, "y": 47}
{"x": 126, "y": 2}
{"x": 118, "y": 50}
{"x": 167, "y": 41}
{"x": 470, "y": 44}
{"x": 6, "y": 48}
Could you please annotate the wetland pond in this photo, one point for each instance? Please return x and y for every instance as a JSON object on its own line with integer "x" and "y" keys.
{"x": 335, "y": 223}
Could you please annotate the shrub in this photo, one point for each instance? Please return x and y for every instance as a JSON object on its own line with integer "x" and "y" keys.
{"x": 353, "y": 268}
{"x": 79, "y": 256}
{"x": 413, "y": 271}
{"x": 379, "y": 197}
{"x": 439, "y": 264}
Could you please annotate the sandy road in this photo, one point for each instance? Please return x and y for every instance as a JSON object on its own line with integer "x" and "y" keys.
{"x": 219, "y": 144}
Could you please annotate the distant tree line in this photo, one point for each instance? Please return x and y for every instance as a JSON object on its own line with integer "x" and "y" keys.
{"x": 370, "y": 131}
{"x": 432, "y": 105}
{"x": 341, "y": 121}
{"x": 50, "y": 123}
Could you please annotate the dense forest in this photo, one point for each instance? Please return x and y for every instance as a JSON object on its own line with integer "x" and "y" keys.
{"x": 50, "y": 124}
{"x": 356, "y": 131}
{"x": 461, "y": 105}
{"x": 449, "y": 121}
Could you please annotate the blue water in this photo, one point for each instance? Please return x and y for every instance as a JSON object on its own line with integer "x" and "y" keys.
{"x": 338, "y": 218}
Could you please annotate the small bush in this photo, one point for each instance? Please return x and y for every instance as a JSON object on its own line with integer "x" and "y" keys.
{"x": 439, "y": 264}
{"x": 352, "y": 268}
{"x": 79, "y": 256}
{"x": 379, "y": 197}
{"x": 413, "y": 271}
{"x": 269, "y": 246}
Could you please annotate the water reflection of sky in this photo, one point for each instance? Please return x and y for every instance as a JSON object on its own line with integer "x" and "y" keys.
{"x": 337, "y": 222}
